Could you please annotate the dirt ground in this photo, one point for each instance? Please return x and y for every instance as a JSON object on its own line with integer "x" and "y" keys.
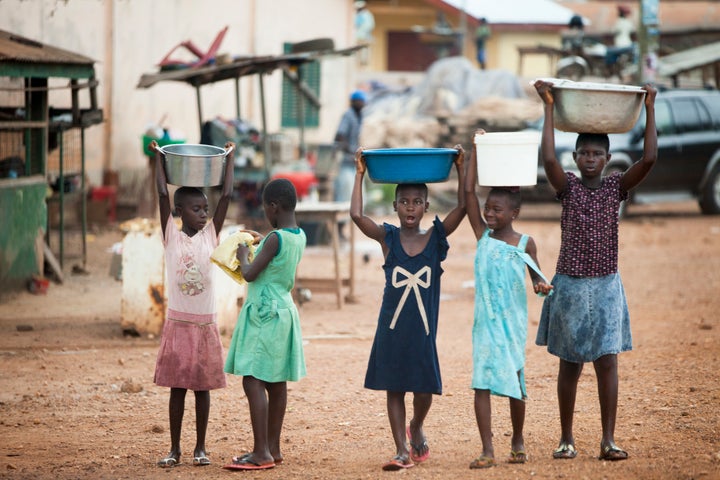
{"x": 68, "y": 411}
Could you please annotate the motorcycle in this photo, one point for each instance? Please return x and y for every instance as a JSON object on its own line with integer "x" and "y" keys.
{"x": 585, "y": 57}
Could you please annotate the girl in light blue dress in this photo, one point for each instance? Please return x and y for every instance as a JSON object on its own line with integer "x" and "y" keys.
{"x": 500, "y": 324}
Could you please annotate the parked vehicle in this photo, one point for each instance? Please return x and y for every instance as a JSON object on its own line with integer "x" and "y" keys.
{"x": 688, "y": 124}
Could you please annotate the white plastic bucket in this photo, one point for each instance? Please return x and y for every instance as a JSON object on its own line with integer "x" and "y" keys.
{"x": 507, "y": 159}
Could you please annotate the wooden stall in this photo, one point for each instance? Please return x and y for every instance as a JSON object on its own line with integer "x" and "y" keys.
{"x": 325, "y": 213}
{"x": 31, "y": 133}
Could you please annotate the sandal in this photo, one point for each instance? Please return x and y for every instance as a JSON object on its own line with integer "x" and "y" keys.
{"x": 612, "y": 452}
{"x": 482, "y": 462}
{"x": 565, "y": 451}
{"x": 168, "y": 462}
{"x": 517, "y": 457}
{"x": 397, "y": 463}
{"x": 419, "y": 452}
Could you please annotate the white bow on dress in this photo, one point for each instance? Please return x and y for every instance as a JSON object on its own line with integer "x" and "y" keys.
{"x": 411, "y": 282}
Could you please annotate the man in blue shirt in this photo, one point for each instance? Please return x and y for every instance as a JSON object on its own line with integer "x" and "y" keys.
{"x": 347, "y": 140}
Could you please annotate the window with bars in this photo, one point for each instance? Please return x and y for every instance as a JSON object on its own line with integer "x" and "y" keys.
{"x": 290, "y": 111}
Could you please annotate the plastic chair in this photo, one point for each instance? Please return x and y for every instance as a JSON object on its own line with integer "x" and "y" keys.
{"x": 203, "y": 57}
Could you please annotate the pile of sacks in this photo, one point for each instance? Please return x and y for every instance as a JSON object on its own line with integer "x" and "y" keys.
{"x": 453, "y": 90}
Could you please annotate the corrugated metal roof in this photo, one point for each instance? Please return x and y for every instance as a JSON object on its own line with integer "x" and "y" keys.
{"x": 14, "y": 48}
{"x": 545, "y": 12}
{"x": 690, "y": 59}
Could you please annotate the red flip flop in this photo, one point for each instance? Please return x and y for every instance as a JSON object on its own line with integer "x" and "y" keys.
{"x": 396, "y": 463}
{"x": 417, "y": 448}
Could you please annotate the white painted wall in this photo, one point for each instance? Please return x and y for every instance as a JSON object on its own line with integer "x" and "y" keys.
{"x": 129, "y": 37}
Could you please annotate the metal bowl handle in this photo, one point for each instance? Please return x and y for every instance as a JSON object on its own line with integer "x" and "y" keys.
{"x": 160, "y": 149}
{"x": 227, "y": 152}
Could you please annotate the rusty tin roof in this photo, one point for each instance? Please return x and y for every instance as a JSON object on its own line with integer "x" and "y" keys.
{"x": 18, "y": 49}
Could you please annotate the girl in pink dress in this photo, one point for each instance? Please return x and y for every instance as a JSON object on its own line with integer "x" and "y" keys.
{"x": 191, "y": 354}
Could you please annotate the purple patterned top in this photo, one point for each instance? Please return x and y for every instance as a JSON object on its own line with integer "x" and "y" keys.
{"x": 589, "y": 224}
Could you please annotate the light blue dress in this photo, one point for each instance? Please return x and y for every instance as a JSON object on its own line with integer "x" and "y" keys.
{"x": 500, "y": 327}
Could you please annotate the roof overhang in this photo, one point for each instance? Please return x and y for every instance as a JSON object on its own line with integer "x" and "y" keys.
{"x": 240, "y": 67}
{"x": 23, "y": 57}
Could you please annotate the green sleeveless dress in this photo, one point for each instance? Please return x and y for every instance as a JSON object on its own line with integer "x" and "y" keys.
{"x": 267, "y": 341}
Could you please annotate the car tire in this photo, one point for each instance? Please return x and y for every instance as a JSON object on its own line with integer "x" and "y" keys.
{"x": 710, "y": 195}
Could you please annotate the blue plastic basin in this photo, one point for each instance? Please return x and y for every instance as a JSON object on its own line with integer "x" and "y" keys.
{"x": 409, "y": 165}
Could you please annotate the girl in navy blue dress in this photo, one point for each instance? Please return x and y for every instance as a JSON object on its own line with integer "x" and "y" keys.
{"x": 404, "y": 355}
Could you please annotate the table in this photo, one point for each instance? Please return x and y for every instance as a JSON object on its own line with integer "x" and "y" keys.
{"x": 552, "y": 53}
{"x": 330, "y": 213}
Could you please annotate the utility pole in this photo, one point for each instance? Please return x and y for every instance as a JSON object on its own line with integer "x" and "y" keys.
{"x": 463, "y": 28}
{"x": 648, "y": 39}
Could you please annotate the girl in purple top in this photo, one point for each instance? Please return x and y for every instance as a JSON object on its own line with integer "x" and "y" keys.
{"x": 587, "y": 319}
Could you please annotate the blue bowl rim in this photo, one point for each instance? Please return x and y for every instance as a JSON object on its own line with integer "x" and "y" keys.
{"x": 437, "y": 157}
{"x": 410, "y": 151}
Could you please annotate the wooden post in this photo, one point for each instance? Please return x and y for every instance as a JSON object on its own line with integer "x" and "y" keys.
{"x": 199, "y": 107}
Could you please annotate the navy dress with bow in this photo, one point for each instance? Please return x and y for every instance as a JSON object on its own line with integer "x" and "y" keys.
{"x": 404, "y": 354}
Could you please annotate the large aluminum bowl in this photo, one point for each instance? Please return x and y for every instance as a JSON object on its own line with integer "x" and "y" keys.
{"x": 409, "y": 165}
{"x": 194, "y": 165}
{"x": 596, "y": 107}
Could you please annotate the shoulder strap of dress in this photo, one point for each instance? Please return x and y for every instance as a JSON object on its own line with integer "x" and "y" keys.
{"x": 523, "y": 242}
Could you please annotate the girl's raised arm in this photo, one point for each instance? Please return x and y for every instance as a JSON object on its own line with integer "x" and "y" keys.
{"x": 554, "y": 171}
{"x": 228, "y": 180}
{"x": 453, "y": 219}
{"x": 161, "y": 184}
{"x": 472, "y": 203}
{"x": 366, "y": 224}
{"x": 639, "y": 170}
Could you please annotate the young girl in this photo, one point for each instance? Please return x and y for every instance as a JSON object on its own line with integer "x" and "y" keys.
{"x": 587, "y": 319}
{"x": 500, "y": 326}
{"x": 404, "y": 355}
{"x": 266, "y": 346}
{"x": 190, "y": 355}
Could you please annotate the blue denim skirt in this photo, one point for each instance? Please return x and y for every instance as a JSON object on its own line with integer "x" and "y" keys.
{"x": 585, "y": 318}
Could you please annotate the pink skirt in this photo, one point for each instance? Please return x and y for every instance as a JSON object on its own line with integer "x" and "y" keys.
{"x": 190, "y": 356}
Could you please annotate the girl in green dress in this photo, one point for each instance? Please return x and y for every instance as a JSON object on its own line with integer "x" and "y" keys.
{"x": 266, "y": 346}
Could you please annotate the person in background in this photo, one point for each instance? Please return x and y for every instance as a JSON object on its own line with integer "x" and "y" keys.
{"x": 443, "y": 28}
{"x": 587, "y": 319}
{"x": 266, "y": 348}
{"x": 347, "y": 140}
{"x": 482, "y": 33}
{"x": 572, "y": 38}
{"x": 404, "y": 355}
{"x": 364, "y": 26}
{"x": 623, "y": 28}
{"x": 499, "y": 331}
{"x": 623, "y": 31}
{"x": 190, "y": 353}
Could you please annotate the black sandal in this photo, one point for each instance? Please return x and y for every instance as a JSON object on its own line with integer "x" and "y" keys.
{"x": 565, "y": 451}
{"x": 612, "y": 452}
